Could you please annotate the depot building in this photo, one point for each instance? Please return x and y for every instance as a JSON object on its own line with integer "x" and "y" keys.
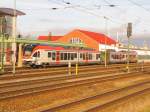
{"x": 94, "y": 40}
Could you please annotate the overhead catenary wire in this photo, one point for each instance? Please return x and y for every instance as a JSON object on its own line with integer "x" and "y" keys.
{"x": 84, "y": 10}
{"x": 64, "y": 5}
{"x": 139, "y": 5}
{"x": 137, "y": 17}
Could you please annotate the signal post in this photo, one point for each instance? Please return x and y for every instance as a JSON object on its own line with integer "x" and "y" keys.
{"x": 129, "y": 34}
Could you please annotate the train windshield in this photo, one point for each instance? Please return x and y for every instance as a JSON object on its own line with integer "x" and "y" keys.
{"x": 35, "y": 54}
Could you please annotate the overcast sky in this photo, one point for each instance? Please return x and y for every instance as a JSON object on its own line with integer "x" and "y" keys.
{"x": 84, "y": 14}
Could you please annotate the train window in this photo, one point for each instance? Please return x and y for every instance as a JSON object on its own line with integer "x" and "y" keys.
{"x": 90, "y": 56}
{"x": 53, "y": 56}
{"x": 62, "y": 56}
{"x": 72, "y": 56}
{"x": 84, "y": 58}
{"x": 49, "y": 55}
{"x": 35, "y": 54}
{"x": 97, "y": 56}
{"x": 65, "y": 56}
{"x": 75, "y": 55}
{"x": 38, "y": 55}
{"x": 69, "y": 56}
{"x": 81, "y": 55}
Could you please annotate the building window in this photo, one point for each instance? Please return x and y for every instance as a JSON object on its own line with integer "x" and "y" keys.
{"x": 76, "y": 41}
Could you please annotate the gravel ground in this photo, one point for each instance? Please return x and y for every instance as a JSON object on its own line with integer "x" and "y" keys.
{"x": 139, "y": 103}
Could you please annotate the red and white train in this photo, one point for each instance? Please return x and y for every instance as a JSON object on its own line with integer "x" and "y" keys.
{"x": 48, "y": 55}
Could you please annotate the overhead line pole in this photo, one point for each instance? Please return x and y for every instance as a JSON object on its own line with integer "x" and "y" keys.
{"x": 106, "y": 22}
{"x": 129, "y": 34}
{"x": 14, "y": 39}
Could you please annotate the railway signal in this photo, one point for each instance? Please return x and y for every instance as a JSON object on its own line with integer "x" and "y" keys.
{"x": 129, "y": 34}
{"x": 129, "y": 30}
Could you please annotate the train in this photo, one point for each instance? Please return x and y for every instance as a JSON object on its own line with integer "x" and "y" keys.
{"x": 113, "y": 56}
{"x": 43, "y": 55}
{"x": 49, "y": 55}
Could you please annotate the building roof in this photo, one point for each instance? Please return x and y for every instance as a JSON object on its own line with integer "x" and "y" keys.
{"x": 51, "y": 38}
{"x": 10, "y": 12}
{"x": 98, "y": 37}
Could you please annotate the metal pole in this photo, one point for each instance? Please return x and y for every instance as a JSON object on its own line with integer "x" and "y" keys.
{"x": 128, "y": 55}
{"x": 129, "y": 34}
{"x": 105, "y": 41}
{"x": 2, "y": 69}
{"x": 14, "y": 38}
{"x": 2, "y": 45}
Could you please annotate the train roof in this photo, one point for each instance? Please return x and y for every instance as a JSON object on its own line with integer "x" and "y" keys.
{"x": 60, "y": 48}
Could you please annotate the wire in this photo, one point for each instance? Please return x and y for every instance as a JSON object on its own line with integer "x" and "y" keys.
{"x": 137, "y": 17}
{"x": 87, "y": 10}
{"x": 139, "y": 5}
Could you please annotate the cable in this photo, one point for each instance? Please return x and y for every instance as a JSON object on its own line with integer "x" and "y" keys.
{"x": 137, "y": 17}
{"x": 87, "y": 10}
{"x": 139, "y": 5}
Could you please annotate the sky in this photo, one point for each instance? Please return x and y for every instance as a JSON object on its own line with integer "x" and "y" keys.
{"x": 40, "y": 18}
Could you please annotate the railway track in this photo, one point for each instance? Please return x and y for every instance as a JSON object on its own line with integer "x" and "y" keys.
{"x": 28, "y": 70}
{"x": 39, "y": 78}
{"x": 49, "y": 72}
{"x": 100, "y": 101}
{"x": 13, "y": 91}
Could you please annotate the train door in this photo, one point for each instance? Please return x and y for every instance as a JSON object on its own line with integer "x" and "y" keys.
{"x": 57, "y": 57}
{"x": 36, "y": 57}
{"x": 49, "y": 57}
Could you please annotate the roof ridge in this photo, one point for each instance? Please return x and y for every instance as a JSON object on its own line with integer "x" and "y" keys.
{"x": 99, "y": 37}
{"x": 90, "y": 32}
